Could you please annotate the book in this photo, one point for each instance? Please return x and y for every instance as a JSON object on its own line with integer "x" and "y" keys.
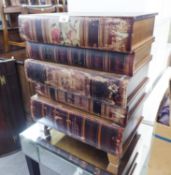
{"x": 12, "y": 116}
{"x": 102, "y": 109}
{"x": 82, "y": 126}
{"x": 114, "y": 62}
{"x": 107, "y": 87}
{"x": 103, "y": 31}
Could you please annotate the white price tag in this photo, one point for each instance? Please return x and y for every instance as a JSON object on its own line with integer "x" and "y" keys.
{"x": 64, "y": 18}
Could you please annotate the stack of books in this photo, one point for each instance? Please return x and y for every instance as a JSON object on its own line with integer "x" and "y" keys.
{"x": 90, "y": 72}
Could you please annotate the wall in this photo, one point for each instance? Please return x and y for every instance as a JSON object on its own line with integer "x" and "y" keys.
{"x": 160, "y": 50}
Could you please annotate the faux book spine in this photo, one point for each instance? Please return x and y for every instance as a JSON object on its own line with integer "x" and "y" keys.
{"x": 84, "y": 127}
{"x": 106, "y": 33}
{"x": 110, "y": 112}
{"x": 100, "y": 31}
{"x": 106, "y": 87}
{"x": 98, "y": 108}
{"x": 113, "y": 62}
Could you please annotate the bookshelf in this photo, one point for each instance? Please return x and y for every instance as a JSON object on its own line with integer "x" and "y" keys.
{"x": 10, "y": 9}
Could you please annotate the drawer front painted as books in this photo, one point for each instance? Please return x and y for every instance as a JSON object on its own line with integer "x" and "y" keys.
{"x": 99, "y": 60}
{"x": 111, "y": 33}
{"x": 91, "y": 32}
{"x": 96, "y": 107}
{"x": 98, "y": 133}
{"x": 113, "y": 62}
{"x": 93, "y": 106}
{"x": 109, "y": 88}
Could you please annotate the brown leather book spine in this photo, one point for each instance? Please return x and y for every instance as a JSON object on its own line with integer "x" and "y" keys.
{"x": 108, "y": 88}
{"x": 110, "y": 33}
{"x": 98, "y": 60}
{"x": 12, "y": 117}
{"x": 96, "y": 107}
{"x": 99, "y": 108}
{"x": 82, "y": 126}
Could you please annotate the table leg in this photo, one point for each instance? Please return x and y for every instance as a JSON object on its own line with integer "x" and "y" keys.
{"x": 33, "y": 166}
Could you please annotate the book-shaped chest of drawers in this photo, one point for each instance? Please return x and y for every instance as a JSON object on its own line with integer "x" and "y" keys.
{"x": 90, "y": 72}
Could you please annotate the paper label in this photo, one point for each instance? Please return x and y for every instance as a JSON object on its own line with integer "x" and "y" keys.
{"x": 64, "y": 18}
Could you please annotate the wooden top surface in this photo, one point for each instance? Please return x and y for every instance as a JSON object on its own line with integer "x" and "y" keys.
{"x": 135, "y": 16}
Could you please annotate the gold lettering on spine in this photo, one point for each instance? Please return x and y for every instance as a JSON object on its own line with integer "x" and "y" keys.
{"x": 43, "y": 24}
{"x": 83, "y": 129}
{"x": 2, "y": 80}
{"x": 101, "y": 32}
{"x": 68, "y": 123}
{"x": 99, "y": 136}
